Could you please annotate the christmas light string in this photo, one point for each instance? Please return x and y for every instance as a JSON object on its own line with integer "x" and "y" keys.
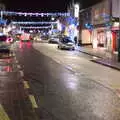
{"x": 35, "y": 23}
{"x": 32, "y": 27}
{"x": 35, "y": 14}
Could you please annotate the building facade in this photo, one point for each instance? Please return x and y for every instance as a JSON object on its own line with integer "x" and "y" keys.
{"x": 85, "y": 27}
{"x": 99, "y": 25}
{"x": 2, "y": 8}
{"x": 115, "y": 28}
{"x": 101, "y": 19}
{"x": 105, "y": 21}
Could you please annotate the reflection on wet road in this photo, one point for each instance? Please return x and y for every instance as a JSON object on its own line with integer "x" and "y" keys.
{"x": 14, "y": 100}
{"x": 62, "y": 95}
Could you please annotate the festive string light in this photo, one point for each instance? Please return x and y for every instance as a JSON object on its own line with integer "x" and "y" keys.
{"x": 35, "y": 23}
{"x": 33, "y": 27}
{"x": 35, "y": 14}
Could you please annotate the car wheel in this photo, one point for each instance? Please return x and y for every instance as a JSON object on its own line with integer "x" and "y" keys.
{"x": 58, "y": 47}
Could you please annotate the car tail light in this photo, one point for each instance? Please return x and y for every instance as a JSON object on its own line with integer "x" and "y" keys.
{"x": 9, "y": 40}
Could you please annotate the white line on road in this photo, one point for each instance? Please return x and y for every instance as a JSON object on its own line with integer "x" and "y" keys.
{"x": 18, "y": 66}
{"x": 15, "y": 58}
{"x": 21, "y": 73}
{"x": 17, "y": 61}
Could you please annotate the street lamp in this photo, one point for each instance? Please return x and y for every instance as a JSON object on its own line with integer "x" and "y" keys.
{"x": 52, "y": 18}
{"x": 76, "y": 10}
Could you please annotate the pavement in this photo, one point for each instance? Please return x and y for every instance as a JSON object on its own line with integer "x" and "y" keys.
{"x": 104, "y": 57}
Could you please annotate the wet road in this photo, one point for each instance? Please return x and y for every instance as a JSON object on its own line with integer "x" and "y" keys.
{"x": 14, "y": 100}
{"x": 50, "y": 91}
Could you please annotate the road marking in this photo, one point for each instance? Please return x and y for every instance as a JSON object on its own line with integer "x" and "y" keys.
{"x": 68, "y": 67}
{"x": 18, "y": 66}
{"x": 3, "y": 114}
{"x": 13, "y": 54}
{"x": 33, "y": 101}
{"x": 116, "y": 86}
{"x": 116, "y": 110}
{"x": 17, "y": 61}
{"x": 26, "y": 85}
{"x": 15, "y": 58}
{"x": 21, "y": 73}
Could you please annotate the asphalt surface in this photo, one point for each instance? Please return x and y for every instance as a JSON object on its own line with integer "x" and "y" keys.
{"x": 36, "y": 87}
{"x": 81, "y": 65}
{"x": 14, "y": 100}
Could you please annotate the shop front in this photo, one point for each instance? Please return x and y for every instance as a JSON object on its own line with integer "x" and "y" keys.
{"x": 102, "y": 38}
{"x": 101, "y": 33}
{"x": 115, "y": 36}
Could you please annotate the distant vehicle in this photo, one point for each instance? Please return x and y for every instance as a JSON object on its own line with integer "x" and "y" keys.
{"x": 25, "y": 37}
{"x": 5, "y": 44}
{"x": 54, "y": 40}
{"x": 37, "y": 39}
{"x": 66, "y": 43}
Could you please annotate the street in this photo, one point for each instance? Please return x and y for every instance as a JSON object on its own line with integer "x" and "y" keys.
{"x": 60, "y": 60}
{"x": 41, "y": 82}
{"x": 57, "y": 88}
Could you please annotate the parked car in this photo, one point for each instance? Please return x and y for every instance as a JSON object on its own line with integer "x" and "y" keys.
{"x": 54, "y": 40}
{"x": 66, "y": 43}
{"x": 5, "y": 44}
{"x": 44, "y": 37}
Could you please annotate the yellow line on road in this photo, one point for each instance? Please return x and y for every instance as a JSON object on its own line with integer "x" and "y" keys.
{"x": 33, "y": 101}
{"x": 3, "y": 114}
{"x": 115, "y": 86}
{"x": 26, "y": 85}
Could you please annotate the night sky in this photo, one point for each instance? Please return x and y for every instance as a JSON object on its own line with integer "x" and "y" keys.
{"x": 43, "y": 5}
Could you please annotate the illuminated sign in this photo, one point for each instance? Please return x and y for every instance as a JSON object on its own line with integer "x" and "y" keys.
{"x": 76, "y": 10}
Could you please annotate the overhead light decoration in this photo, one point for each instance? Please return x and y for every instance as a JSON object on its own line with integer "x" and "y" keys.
{"x": 28, "y": 22}
{"x": 33, "y": 27}
{"x": 35, "y": 14}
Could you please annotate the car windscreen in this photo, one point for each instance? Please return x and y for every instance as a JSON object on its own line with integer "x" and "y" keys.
{"x": 66, "y": 40}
